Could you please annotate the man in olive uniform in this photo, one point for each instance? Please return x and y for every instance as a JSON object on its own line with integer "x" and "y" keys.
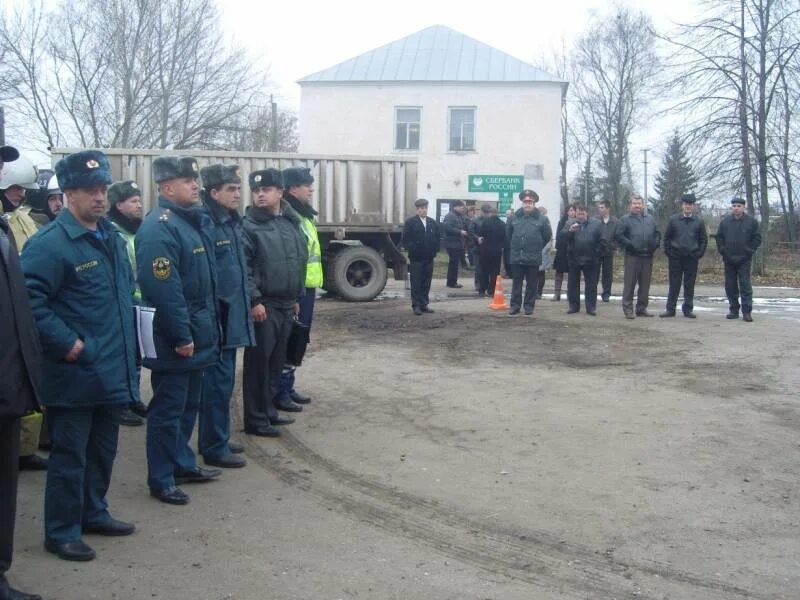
{"x": 297, "y": 193}
{"x": 221, "y": 197}
{"x": 20, "y": 357}
{"x": 175, "y": 263}
{"x": 125, "y": 213}
{"x": 80, "y": 286}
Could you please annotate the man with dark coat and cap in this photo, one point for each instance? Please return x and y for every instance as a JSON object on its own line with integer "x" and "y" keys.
{"x": 738, "y": 238}
{"x": 685, "y": 241}
{"x": 221, "y": 197}
{"x": 297, "y": 192}
{"x": 80, "y": 286}
{"x": 276, "y": 254}
{"x": 20, "y": 357}
{"x": 528, "y": 232}
{"x": 125, "y": 213}
{"x": 421, "y": 239}
{"x": 177, "y": 276}
{"x": 454, "y": 232}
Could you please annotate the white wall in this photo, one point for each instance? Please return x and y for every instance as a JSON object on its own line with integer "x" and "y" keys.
{"x": 516, "y": 124}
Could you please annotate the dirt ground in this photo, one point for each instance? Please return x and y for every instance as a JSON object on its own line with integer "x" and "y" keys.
{"x": 472, "y": 455}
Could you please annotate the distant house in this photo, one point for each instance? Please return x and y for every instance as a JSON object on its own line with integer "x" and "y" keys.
{"x": 461, "y": 107}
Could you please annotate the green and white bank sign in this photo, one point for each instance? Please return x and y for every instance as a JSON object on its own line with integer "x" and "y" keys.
{"x": 503, "y": 185}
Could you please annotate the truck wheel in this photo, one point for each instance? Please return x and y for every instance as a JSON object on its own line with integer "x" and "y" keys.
{"x": 359, "y": 273}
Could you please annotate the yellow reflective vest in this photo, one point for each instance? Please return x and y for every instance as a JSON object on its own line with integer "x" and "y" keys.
{"x": 314, "y": 265}
{"x": 22, "y": 226}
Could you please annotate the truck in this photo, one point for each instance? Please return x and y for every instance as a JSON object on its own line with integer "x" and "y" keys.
{"x": 363, "y": 202}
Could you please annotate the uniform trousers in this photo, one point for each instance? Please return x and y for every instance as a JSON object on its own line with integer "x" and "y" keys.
{"x": 263, "y": 364}
{"x": 79, "y": 469}
{"x": 171, "y": 415}
{"x": 737, "y": 282}
{"x": 682, "y": 269}
{"x": 638, "y": 270}
{"x": 421, "y": 272}
{"x": 530, "y": 275}
{"x": 606, "y": 274}
{"x": 590, "y": 286}
{"x": 214, "y": 417}
{"x": 9, "y": 467}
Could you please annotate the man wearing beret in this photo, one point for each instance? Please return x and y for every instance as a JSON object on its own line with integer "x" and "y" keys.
{"x": 221, "y": 197}
{"x": 81, "y": 286}
{"x": 276, "y": 254}
{"x": 685, "y": 241}
{"x": 175, "y": 264}
{"x": 298, "y": 191}
{"x": 20, "y": 357}
{"x": 738, "y": 238}
{"x": 125, "y": 213}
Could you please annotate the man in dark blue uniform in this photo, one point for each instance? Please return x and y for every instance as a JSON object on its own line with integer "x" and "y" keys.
{"x": 221, "y": 197}
{"x": 175, "y": 264}
{"x": 81, "y": 288}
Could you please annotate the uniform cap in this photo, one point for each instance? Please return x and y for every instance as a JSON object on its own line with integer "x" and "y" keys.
{"x": 688, "y": 198}
{"x": 220, "y": 174}
{"x": 83, "y": 169}
{"x": 175, "y": 167}
{"x": 738, "y": 201}
{"x": 266, "y": 178}
{"x": 295, "y": 176}
{"x": 122, "y": 190}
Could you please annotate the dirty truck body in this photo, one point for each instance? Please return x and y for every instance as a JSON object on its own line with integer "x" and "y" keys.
{"x": 362, "y": 202}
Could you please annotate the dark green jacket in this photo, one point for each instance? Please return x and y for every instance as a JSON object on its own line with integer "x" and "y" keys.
{"x": 177, "y": 276}
{"x": 276, "y": 255}
{"x": 234, "y": 303}
{"x": 82, "y": 287}
{"x": 528, "y": 235}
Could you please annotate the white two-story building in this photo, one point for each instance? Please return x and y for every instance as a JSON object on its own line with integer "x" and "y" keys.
{"x": 461, "y": 107}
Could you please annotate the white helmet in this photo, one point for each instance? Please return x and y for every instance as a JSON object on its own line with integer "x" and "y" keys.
{"x": 21, "y": 172}
{"x": 53, "y": 187}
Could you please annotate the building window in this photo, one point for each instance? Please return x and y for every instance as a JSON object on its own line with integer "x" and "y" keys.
{"x": 462, "y": 129}
{"x": 407, "y": 120}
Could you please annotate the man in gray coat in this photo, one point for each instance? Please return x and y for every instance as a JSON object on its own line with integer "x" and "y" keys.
{"x": 639, "y": 236}
{"x": 528, "y": 232}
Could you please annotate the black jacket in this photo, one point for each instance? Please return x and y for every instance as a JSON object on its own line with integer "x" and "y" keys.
{"x": 421, "y": 242}
{"x": 20, "y": 353}
{"x": 609, "y": 234}
{"x": 638, "y": 235}
{"x": 685, "y": 237}
{"x": 493, "y": 232}
{"x": 560, "y": 262}
{"x": 586, "y": 245}
{"x": 276, "y": 254}
{"x": 738, "y": 239}
{"x": 452, "y": 226}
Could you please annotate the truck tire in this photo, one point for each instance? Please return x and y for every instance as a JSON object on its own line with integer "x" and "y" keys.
{"x": 358, "y": 274}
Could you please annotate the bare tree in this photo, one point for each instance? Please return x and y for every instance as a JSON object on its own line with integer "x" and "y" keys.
{"x": 614, "y": 63}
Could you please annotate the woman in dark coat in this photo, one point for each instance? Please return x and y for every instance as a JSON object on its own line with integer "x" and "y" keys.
{"x": 560, "y": 264}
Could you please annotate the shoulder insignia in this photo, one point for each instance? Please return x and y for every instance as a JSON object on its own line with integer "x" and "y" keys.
{"x": 162, "y": 268}
{"x": 164, "y": 216}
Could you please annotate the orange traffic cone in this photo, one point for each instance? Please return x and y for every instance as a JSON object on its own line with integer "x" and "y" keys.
{"x": 499, "y": 300}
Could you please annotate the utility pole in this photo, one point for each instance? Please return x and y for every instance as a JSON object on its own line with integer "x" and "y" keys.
{"x": 273, "y": 138}
{"x": 2, "y": 126}
{"x": 586, "y": 180}
{"x": 645, "y": 151}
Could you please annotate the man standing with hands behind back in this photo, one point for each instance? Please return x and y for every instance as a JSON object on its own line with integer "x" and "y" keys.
{"x": 639, "y": 236}
{"x": 738, "y": 238}
{"x": 175, "y": 260}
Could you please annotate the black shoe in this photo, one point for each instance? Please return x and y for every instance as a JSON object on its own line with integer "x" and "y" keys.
{"x": 591, "y": 313}
{"x": 538, "y": 296}
{"x": 417, "y": 311}
{"x": 514, "y": 311}
{"x": 263, "y": 431}
{"x": 481, "y": 294}
{"x": 281, "y": 420}
{"x": 138, "y": 408}
{"x": 76, "y": 550}
{"x": 689, "y": 314}
{"x": 644, "y": 313}
{"x": 197, "y": 475}
{"x": 629, "y": 315}
{"x": 424, "y": 309}
{"x": 529, "y": 311}
{"x": 667, "y": 313}
{"x": 9, "y": 593}
{"x": 127, "y": 418}
{"x": 732, "y": 315}
{"x": 747, "y": 318}
{"x": 171, "y": 495}
{"x": 285, "y": 404}
{"x": 32, "y": 462}
{"x": 606, "y": 297}
{"x": 235, "y": 448}
{"x": 300, "y": 398}
{"x": 226, "y": 461}
{"x": 572, "y": 311}
{"x": 113, "y": 528}
{"x": 456, "y": 286}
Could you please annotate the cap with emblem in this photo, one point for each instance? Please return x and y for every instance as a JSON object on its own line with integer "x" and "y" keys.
{"x": 688, "y": 198}
{"x": 266, "y": 178}
{"x": 738, "y": 201}
{"x": 529, "y": 194}
{"x": 295, "y": 176}
{"x": 122, "y": 190}
{"x": 83, "y": 169}
{"x": 174, "y": 167}
{"x": 216, "y": 175}
{"x": 8, "y": 154}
